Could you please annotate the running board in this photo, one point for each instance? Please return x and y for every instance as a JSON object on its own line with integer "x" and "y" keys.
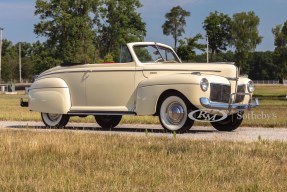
{"x": 80, "y": 113}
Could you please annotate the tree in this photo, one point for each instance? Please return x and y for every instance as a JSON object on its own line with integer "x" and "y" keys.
{"x": 26, "y": 61}
{"x": 120, "y": 24}
{"x": 43, "y": 57}
{"x": 186, "y": 49}
{"x": 280, "y": 52}
{"x": 262, "y": 66}
{"x": 68, "y": 26}
{"x": 218, "y": 29}
{"x": 10, "y": 61}
{"x": 244, "y": 37}
{"x": 175, "y": 23}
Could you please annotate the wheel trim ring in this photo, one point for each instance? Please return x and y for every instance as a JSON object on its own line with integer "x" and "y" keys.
{"x": 54, "y": 117}
{"x": 49, "y": 121}
{"x": 175, "y": 113}
{"x": 163, "y": 113}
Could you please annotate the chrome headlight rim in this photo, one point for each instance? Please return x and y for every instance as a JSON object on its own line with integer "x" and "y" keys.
{"x": 250, "y": 87}
{"x": 204, "y": 84}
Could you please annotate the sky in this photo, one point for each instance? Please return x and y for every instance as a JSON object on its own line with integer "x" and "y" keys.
{"x": 17, "y": 17}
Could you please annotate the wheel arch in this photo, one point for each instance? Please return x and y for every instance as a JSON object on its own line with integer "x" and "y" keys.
{"x": 171, "y": 92}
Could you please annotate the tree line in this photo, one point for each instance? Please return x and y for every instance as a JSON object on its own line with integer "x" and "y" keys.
{"x": 91, "y": 31}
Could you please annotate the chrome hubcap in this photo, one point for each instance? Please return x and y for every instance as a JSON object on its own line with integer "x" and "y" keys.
{"x": 54, "y": 117}
{"x": 175, "y": 113}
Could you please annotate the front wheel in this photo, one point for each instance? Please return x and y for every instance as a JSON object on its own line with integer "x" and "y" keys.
{"x": 108, "y": 121}
{"x": 230, "y": 123}
{"x": 55, "y": 120}
{"x": 173, "y": 114}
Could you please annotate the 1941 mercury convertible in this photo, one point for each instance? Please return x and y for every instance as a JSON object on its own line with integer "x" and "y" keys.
{"x": 149, "y": 79}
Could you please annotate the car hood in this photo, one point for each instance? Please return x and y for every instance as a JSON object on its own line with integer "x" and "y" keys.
{"x": 220, "y": 69}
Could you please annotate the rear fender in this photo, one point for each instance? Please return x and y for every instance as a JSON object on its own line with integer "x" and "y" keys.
{"x": 50, "y": 95}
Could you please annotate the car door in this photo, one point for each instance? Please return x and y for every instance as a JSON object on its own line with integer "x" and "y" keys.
{"x": 111, "y": 87}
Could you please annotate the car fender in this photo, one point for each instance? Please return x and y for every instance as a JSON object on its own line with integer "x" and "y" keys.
{"x": 50, "y": 95}
{"x": 150, "y": 90}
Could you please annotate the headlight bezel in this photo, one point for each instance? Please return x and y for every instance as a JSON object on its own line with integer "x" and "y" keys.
{"x": 250, "y": 87}
{"x": 204, "y": 84}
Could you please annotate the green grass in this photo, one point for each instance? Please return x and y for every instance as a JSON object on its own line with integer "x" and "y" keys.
{"x": 270, "y": 113}
{"x": 72, "y": 161}
{"x": 270, "y": 90}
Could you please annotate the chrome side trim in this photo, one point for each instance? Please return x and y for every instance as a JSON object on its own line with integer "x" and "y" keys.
{"x": 79, "y": 113}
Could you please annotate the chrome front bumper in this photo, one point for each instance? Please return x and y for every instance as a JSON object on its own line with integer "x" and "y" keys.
{"x": 205, "y": 102}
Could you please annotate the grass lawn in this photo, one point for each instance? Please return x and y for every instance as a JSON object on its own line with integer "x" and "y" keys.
{"x": 71, "y": 161}
{"x": 270, "y": 90}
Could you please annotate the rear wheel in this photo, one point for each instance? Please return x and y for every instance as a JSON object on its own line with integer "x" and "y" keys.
{"x": 108, "y": 121}
{"x": 173, "y": 114}
{"x": 230, "y": 123}
{"x": 55, "y": 120}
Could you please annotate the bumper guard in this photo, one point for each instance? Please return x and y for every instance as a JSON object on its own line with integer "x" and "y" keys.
{"x": 24, "y": 103}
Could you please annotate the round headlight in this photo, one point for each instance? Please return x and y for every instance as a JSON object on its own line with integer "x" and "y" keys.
{"x": 204, "y": 84}
{"x": 250, "y": 87}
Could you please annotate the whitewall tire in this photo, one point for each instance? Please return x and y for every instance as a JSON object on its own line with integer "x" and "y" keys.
{"x": 55, "y": 120}
{"x": 173, "y": 114}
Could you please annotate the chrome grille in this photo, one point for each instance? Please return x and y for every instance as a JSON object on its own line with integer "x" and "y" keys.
{"x": 240, "y": 89}
{"x": 219, "y": 92}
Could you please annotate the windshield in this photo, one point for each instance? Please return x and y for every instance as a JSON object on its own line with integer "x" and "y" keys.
{"x": 154, "y": 54}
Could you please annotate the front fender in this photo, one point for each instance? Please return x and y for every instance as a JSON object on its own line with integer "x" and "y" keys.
{"x": 50, "y": 95}
{"x": 149, "y": 91}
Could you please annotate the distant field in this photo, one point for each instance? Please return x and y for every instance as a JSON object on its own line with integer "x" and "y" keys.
{"x": 270, "y": 90}
{"x": 62, "y": 161}
{"x": 270, "y": 113}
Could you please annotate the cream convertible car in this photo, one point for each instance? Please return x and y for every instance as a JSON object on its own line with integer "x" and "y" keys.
{"x": 149, "y": 80}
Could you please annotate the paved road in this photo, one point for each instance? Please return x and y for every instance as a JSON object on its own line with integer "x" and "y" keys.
{"x": 245, "y": 134}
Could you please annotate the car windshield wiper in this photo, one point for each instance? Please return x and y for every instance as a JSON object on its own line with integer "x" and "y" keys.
{"x": 156, "y": 46}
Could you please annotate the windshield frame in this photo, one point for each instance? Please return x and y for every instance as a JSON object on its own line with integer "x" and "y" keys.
{"x": 163, "y": 51}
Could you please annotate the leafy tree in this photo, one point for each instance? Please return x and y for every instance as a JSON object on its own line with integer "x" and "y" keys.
{"x": 186, "y": 49}
{"x": 26, "y": 61}
{"x": 280, "y": 52}
{"x": 261, "y": 66}
{"x": 280, "y": 35}
{"x": 43, "y": 57}
{"x": 120, "y": 24}
{"x": 6, "y": 45}
{"x": 227, "y": 56}
{"x": 68, "y": 26}
{"x": 245, "y": 37}
{"x": 218, "y": 29}
{"x": 9, "y": 60}
{"x": 175, "y": 23}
